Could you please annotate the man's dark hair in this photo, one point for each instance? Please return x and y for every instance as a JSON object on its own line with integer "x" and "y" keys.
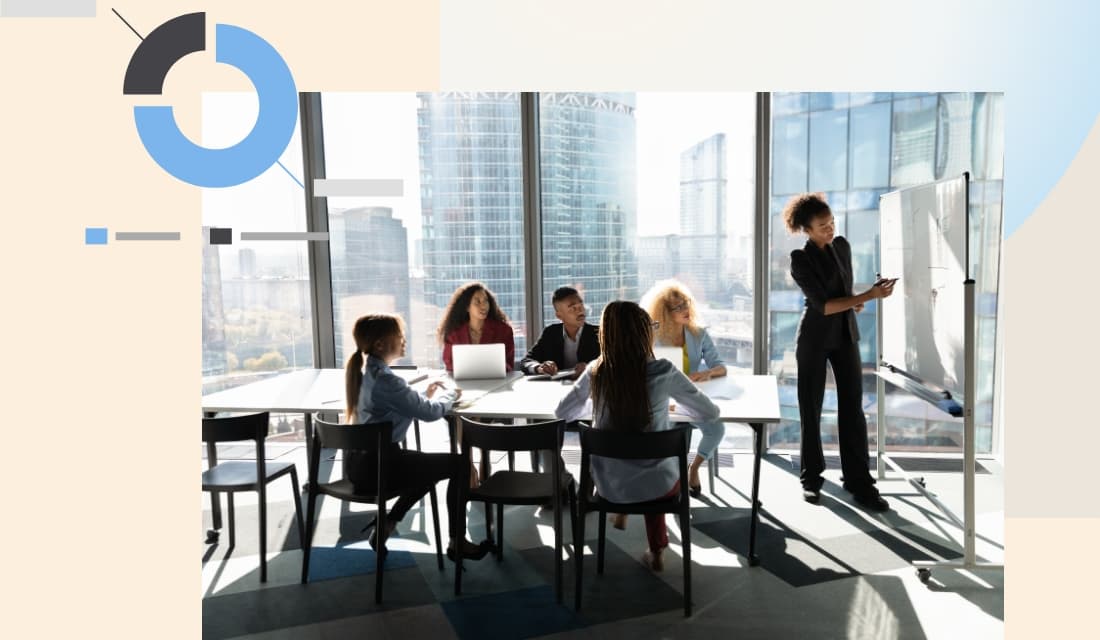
{"x": 561, "y": 293}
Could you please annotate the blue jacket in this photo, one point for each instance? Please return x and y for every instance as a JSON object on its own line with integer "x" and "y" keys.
{"x": 384, "y": 396}
{"x": 700, "y": 349}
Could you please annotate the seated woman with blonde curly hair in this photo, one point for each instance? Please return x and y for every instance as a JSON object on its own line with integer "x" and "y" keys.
{"x": 670, "y": 303}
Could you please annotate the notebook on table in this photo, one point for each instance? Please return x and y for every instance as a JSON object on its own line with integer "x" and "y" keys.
{"x": 478, "y": 361}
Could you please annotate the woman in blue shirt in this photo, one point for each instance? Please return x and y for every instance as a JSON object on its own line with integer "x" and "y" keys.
{"x": 630, "y": 391}
{"x": 376, "y": 394}
{"x": 671, "y": 304}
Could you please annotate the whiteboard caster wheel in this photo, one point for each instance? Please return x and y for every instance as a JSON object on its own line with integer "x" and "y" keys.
{"x": 924, "y": 575}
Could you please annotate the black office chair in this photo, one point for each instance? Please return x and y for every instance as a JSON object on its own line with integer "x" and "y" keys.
{"x": 237, "y": 475}
{"x": 518, "y": 487}
{"x": 369, "y": 438}
{"x": 672, "y": 443}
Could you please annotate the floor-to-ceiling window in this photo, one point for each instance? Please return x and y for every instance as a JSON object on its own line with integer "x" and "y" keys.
{"x": 458, "y": 216}
{"x": 854, "y": 147}
{"x": 256, "y": 313}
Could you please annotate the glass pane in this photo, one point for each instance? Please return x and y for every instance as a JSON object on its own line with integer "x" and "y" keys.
{"x": 634, "y": 192}
{"x": 914, "y": 141}
{"x": 256, "y": 311}
{"x": 829, "y": 150}
{"x": 459, "y": 218}
{"x": 790, "y": 144}
{"x": 869, "y": 141}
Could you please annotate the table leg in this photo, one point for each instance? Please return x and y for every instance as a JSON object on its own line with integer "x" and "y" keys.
{"x": 758, "y": 450}
{"x": 308, "y": 428}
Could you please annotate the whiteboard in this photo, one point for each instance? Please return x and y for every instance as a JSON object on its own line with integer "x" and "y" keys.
{"x": 923, "y": 241}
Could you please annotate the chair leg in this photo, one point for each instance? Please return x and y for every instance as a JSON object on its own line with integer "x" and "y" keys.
{"x": 685, "y": 536}
{"x": 380, "y": 549}
{"x": 416, "y": 434}
{"x": 456, "y": 538}
{"x": 600, "y": 541}
{"x": 500, "y": 532}
{"x": 297, "y": 504}
{"x": 263, "y": 536}
{"x": 435, "y": 525}
{"x": 232, "y": 521}
{"x": 578, "y": 555}
{"x": 557, "y": 547}
{"x": 712, "y": 470}
{"x": 307, "y": 542}
{"x": 511, "y": 460}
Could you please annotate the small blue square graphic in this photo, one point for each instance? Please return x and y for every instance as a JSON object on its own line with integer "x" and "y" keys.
{"x": 95, "y": 235}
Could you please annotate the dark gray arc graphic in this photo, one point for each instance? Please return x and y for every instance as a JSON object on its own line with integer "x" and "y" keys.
{"x": 160, "y": 50}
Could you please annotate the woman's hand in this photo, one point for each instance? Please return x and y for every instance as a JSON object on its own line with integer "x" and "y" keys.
{"x": 433, "y": 387}
{"x": 549, "y": 367}
{"x": 699, "y": 376}
{"x": 882, "y": 289}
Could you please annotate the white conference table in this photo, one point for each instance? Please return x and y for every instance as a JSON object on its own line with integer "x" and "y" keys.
{"x": 751, "y": 399}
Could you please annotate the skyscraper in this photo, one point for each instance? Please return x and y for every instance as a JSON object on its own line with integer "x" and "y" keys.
{"x": 370, "y": 269}
{"x": 703, "y": 217}
{"x": 472, "y": 196}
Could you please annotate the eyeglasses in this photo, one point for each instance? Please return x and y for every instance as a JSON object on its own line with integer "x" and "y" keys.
{"x": 680, "y": 307}
{"x": 655, "y": 325}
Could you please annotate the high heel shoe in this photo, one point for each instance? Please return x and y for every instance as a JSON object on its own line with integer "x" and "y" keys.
{"x": 695, "y": 490}
{"x": 470, "y": 551}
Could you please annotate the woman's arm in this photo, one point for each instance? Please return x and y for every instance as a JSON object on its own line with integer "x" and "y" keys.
{"x": 709, "y": 353}
{"x": 689, "y": 397}
{"x": 575, "y": 403}
{"x": 404, "y": 400}
{"x": 812, "y": 288}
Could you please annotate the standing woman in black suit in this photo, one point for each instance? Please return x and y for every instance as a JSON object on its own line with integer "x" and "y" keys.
{"x": 828, "y": 332}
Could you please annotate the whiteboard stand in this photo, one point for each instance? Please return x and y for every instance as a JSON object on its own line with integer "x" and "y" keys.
{"x": 885, "y": 372}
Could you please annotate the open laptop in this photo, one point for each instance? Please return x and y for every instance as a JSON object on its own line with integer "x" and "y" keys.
{"x": 478, "y": 361}
{"x": 675, "y": 355}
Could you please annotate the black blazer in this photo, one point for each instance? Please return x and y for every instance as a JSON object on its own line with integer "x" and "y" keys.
{"x": 822, "y": 277}
{"x": 551, "y": 346}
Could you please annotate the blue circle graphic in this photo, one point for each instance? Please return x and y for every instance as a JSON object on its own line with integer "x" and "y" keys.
{"x": 261, "y": 148}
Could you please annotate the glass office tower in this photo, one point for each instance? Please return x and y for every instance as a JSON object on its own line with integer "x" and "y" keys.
{"x": 854, "y": 147}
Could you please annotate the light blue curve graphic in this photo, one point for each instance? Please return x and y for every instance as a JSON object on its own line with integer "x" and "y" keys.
{"x": 1052, "y": 96}
{"x": 261, "y": 148}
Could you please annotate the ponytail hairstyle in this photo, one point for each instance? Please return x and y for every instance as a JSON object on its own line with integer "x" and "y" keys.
{"x": 619, "y": 385}
{"x": 375, "y": 334}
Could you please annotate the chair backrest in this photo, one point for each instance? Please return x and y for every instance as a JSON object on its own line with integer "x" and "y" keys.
{"x": 365, "y": 437}
{"x": 670, "y": 443}
{"x": 520, "y": 437}
{"x": 233, "y": 429}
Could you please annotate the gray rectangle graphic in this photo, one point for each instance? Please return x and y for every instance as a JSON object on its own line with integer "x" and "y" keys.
{"x": 47, "y": 8}
{"x": 284, "y": 235}
{"x": 147, "y": 235}
{"x": 370, "y": 187}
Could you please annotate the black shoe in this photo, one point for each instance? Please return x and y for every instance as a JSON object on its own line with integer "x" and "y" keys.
{"x": 811, "y": 495}
{"x": 870, "y": 499}
{"x": 482, "y": 550}
{"x": 549, "y": 506}
{"x": 695, "y": 490}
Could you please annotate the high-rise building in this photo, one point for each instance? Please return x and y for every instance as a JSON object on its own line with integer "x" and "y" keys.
{"x": 370, "y": 269}
{"x": 246, "y": 260}
{"x": 214, "y": 358}
{"x": 472, "y": 197}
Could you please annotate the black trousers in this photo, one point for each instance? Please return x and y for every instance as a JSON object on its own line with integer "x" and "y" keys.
{"x": 851, "y": 425}
{"x": 416, "y": 473}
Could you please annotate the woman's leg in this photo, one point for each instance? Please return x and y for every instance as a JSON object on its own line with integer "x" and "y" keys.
{"x": 656, "y": 533}
{"x": 713, "y": 432}
{"x": 851, "y": 424}
{"x": 811, "y": 393}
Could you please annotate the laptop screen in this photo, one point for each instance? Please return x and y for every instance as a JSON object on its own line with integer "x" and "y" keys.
{"x": 675, "y": 355}
{"x": 474, "y": 361}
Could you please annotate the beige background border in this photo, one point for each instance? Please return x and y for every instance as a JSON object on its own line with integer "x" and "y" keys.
{"x": 103, "y": 375}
